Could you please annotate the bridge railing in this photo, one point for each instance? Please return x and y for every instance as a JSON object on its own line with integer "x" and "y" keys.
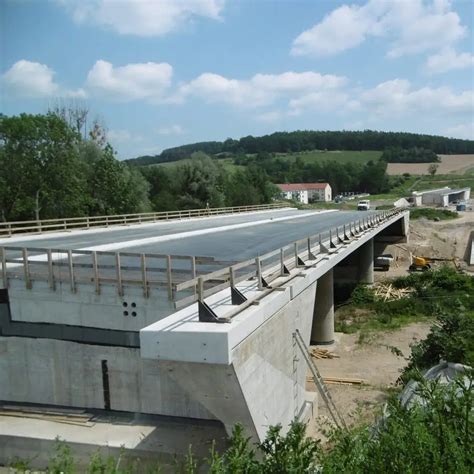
{"x": 71, "y": 268}
{"x": 270, "y": 266}
{"x": 182, "y": 280}
{"x": 7, "y": 229}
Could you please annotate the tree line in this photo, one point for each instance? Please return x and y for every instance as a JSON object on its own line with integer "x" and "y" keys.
{"x": 305, "y": 140}
{"x": 409, "y": 155}
{"x": 51, "y": 168}
{"x": 370, "y": 177}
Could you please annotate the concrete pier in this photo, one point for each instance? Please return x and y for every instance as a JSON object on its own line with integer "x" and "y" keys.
{"x": 366, "y": 262}
{"x": 322, "y": 331}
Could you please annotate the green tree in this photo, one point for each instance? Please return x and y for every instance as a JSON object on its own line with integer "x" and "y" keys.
{"x": 40, "y": 168}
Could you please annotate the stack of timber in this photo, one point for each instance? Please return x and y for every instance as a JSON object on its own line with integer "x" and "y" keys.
{"x": 340, "y": 380}
{"x": 387, "y": 292}
{"x": 318, "y": 353}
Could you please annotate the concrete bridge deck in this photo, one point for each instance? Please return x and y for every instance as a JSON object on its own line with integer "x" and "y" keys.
{"x": 108, "y": 335}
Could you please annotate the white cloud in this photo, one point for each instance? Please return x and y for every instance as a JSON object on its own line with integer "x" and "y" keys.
{"x": 123, "y": 136}
{"x": 271, "y": 116}
{"x": 171, "y": 130}
{"x": 448, "y": 60}
{"x": 259, "y": 90}
{"x": 412, "y": 26}
{"x": 142, "y": 17}
{"x": 147, "y": 81}
{"x": 30, "y": 79}
{"x": 464, "y": 130}
{"x": 398, "y": 97}
{"x": 35, "y": 80}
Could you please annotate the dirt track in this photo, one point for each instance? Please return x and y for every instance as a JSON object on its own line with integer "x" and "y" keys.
{"x": 450, "y": 164}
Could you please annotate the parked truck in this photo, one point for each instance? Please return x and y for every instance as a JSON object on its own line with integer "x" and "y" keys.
{"x": 363, "y": 205}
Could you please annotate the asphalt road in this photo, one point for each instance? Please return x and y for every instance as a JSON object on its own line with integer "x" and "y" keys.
{"x": 236, "y": 237}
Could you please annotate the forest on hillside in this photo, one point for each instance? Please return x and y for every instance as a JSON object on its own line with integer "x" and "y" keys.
{"x": 291, "y": 142}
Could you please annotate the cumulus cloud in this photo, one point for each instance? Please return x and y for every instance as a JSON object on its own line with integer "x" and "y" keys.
{"x": 399, "y": 97}
{"x": 411, "y": 27}
{"x": 171, "y": 130}
{"x": 260, "y": 90}
{"x": 30, "y": 79}
{"x": 148, "y": 81}
{"x": 35, "y": 80}
{"x": 142, "y": 17}
{"x": 448, "y": 60}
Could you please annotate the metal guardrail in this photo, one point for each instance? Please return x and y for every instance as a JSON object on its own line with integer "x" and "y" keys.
{"x": 120, "y": 269}
{"x": 178, "y": 274}
{"x": 270, "y": 266}
{"x": 7, "y": 229}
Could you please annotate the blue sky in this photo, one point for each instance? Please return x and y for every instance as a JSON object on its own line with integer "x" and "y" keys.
{"x": 168, "y": 72}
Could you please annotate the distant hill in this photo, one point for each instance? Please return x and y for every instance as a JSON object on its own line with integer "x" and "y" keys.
{"x": 293, "y": 142}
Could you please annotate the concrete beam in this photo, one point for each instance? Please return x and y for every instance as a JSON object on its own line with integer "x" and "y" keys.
{"x": 322, "y": 331}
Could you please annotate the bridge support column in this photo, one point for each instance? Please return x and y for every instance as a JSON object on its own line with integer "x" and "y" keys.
{"x": 366, "y": 262}
{"x": 322, "y": 331}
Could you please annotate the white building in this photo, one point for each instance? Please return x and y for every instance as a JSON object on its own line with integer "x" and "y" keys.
{"x": 306, "y": 192}
{"x": 440, "y": 197}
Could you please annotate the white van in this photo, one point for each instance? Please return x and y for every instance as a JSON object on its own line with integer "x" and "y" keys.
{"x": 363, "y": 205}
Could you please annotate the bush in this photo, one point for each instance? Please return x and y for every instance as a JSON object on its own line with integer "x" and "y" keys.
{"x": 433, "y": 214}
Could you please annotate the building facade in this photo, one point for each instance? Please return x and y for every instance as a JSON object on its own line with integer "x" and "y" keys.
{"x": 306, "y": 192}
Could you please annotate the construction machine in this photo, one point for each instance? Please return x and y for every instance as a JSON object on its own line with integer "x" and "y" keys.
{"x": 424, "y": 263}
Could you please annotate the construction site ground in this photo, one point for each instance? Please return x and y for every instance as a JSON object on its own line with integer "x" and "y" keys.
{"x": 373, "y": 360}
{"x": 372, "y": 357}
{"x": 443, "y": 239}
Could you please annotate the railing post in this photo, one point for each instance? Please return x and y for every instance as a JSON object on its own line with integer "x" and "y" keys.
{"x": 200, "y": 289}
{"x": 4, "y": 267}
{"x": 193, "y": 271}
{"x": 26, "y": 268}
{"x": 95, "y": 268}
{"x": 282, "y": 262}
{"x": 259, "y": 273}
{"x": 50, "y": 270}
{"x": 106, "y": 221}
{"x": 169, "y": 278}
{"x": 119, "y": 274}
{"x": 144, "y": 278}
{"x": 71, "y": 271}
{"x": 88, "y": 222}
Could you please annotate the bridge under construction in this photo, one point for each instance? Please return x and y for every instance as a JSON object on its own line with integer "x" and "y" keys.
{"x": 192, "y": 317}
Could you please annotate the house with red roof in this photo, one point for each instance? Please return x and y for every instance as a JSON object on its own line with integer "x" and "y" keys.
{"x": 306, "y": 192}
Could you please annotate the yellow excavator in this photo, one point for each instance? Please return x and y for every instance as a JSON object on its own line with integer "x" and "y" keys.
{"x": 424, "y": 263}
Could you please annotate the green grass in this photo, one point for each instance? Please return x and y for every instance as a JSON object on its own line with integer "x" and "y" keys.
{"x": 433, "y": 214}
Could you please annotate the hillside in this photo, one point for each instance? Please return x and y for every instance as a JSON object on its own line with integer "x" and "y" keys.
{"x": 301, "y": 141}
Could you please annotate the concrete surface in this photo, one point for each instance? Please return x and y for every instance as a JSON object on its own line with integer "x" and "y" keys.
{"x": 151, "y": 438}
{"x": 244, "y": 371}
